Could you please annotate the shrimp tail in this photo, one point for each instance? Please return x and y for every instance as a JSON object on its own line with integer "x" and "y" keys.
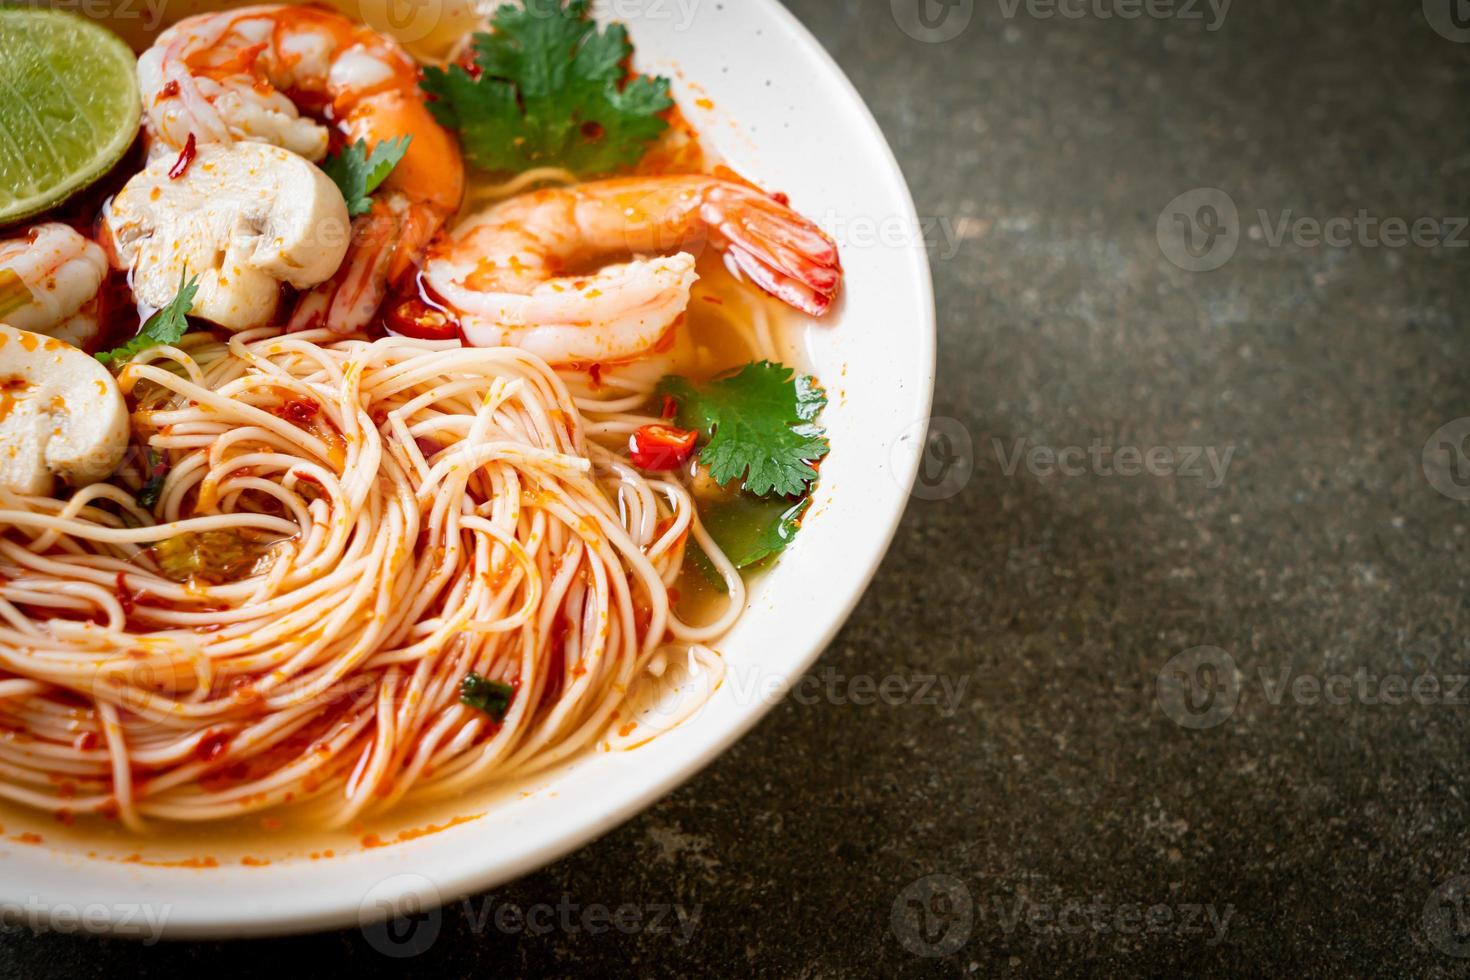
{"x": 776, "y": 248}
{"x": 388, "y": 243}
{"x": 347, "y": 301}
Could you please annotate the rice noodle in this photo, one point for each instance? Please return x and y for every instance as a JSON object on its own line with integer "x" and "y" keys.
{"x": 421, "y": 511}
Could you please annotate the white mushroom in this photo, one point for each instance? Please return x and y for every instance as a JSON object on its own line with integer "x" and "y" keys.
{"x": 243, "y": 217}
{"x": 61, "y": 414}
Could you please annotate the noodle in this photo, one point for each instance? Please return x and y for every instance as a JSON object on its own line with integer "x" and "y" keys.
{"x": 333, "y": 572}
{"x": 401, "y": 514}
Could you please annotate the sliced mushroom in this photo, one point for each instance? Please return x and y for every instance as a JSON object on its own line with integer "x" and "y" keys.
{"x": 243, "y": 217}
{"x": 61, "y": 414}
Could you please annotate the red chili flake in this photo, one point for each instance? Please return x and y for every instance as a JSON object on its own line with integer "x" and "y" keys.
{"x": 471, "y": 66}
{"x": 186, "y": 157}
{"x": 300, "y": 411}
{"x": 661, "y": 447}
{"x": 124, "y": 596}
{"x": 642, "y": 615}
{"x": 159, "y": 468}
{"x": 417, "y": 319}
{"x": 670, "y": 409}
{"x": 169, "y": 91}
{"x": 556, "y": 664}
{"x": 595, "y": 373}
{"x": 212, "y": 746}
{"x": 243, "y": 692}
{"x": 85, "y": 742}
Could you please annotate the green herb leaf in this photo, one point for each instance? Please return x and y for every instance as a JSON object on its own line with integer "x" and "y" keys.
{"x": 550, "y": 89}
{"x": 147, "y": 495}
{"x": 167, "y": 326}
{"x": 357, "y": 173}
{"x": 695, "y": 557}
{"x": 751, "y": 529}
{"x": 491, "y": 697}
{"x": 759, "y": 426}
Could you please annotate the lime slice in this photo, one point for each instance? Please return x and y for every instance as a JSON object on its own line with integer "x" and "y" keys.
{"x": 69, "y": 107}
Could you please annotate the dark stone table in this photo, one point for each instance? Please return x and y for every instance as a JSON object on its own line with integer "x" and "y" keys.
{"x": 1199, "y": 604}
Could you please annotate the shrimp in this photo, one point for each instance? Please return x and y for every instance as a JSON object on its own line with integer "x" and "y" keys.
{"x": 250, "y": 73}
{"x": 49, "y": 283}
{"x": 505, "y": 271}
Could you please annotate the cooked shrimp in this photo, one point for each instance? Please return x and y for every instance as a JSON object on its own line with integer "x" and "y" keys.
{"x": 225, "y": 76}
{"x": 506, "y": 270}
{"x": 49, "y": 279}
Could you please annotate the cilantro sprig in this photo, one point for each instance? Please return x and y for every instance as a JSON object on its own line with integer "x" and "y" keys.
{"x": 167, "y": 326}
{"x": 357, "y": 172}
{"x": 759, "y": 426}
{"x": 548, "y": 88}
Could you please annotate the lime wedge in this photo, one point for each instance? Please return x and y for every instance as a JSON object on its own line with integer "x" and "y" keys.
{"x": 69, "y": 107}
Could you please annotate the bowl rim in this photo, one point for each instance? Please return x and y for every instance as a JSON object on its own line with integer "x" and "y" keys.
{"x": 337, "y": 908}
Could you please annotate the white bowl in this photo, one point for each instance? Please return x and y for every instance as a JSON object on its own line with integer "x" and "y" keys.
{"x": 780, "y": 111}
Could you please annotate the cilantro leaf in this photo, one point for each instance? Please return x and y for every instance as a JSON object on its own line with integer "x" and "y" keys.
{"x": 748, "y": 529}
{"x": 147, "y": 495}
{"x": 357, "y": 173}
{"x": 751, "y": 529}
{"x": 695, "y": 557}
{"x": 759, "y": 426}
{"x": 491, "y": 697}
{"x": 167, "y": 326}
{"x": 548, "y": 88}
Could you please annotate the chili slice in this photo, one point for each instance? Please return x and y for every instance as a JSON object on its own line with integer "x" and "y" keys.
{"x": 661, "y": 447}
